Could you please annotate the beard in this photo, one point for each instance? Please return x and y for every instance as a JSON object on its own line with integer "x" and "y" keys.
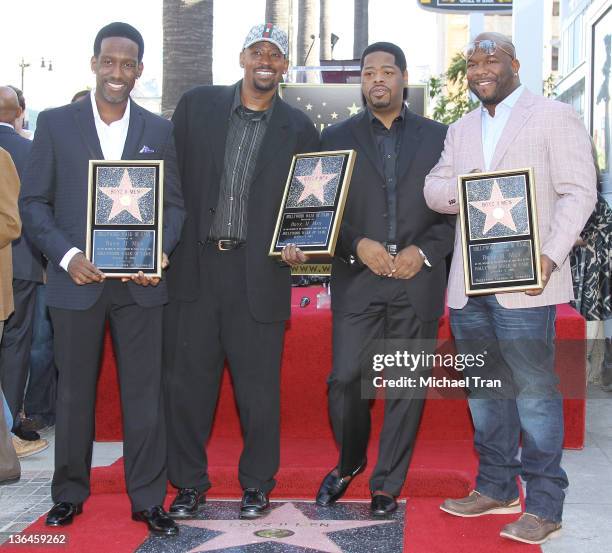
{"x": 119, "y": 97}
{"x": 383, "y": 102}
{"x": 265, "y": 86}
{"x": 486, "y": 99}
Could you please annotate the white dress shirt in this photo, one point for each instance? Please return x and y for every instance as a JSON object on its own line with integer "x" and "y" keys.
{"x": 493, "y": 127}
{"x": 7, "y": 125}
{"x": 112, "y": 141}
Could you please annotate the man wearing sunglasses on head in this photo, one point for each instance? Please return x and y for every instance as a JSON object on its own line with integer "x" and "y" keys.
{"x": 515, "y": 129}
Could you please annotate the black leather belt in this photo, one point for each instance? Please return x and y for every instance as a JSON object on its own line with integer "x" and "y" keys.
{"x": 226, "y": 244}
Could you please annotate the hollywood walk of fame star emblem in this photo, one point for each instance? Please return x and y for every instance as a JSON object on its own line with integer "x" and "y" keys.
{"x": 315, "y": 183}
{"x": 497, "y": 209}
{"x": 125, "y": 197}
{"x": 285, "y": 525}
{"x": 354, "y": 109}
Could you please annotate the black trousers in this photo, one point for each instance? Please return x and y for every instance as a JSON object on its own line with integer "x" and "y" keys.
{"x": 78, "y": 339}
{"x": 203, "y": 333}
{"x": 389, "y": 316}
{"x": 16, "y": 344}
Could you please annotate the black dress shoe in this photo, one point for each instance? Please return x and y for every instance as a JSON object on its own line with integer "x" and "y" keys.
{"x": 157, "y": 520}
{"x": 62, "y": 513}
{"x": 333, "y": 487}
{"x": 27, "y": 435}
{"x": 34, "y": 423}
{"x": 187, "y": 503}
{"x": 255, "y": 503}
{"x": 382, "y": 505}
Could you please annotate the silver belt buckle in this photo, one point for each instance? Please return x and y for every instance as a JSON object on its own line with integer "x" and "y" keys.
{"x": 392, "y": 249}
{"x": 221, "y": 245}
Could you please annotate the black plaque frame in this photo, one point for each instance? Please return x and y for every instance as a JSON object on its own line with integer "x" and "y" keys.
{"x": 481, "y": 254}
{"x": 126, "y": 231}
{"x": 321, "y": 248}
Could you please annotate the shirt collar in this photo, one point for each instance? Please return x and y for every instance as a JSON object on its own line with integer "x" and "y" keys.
{"x": 400, "y": 117}
{"x": 509, "y": 101}
{"x": 123, "y": 121}
{"x": 238, "y": 103}
{"x": 7, "y": 125}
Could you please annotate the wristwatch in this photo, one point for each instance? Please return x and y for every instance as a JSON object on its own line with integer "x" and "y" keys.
{"x": 425, "y": 260}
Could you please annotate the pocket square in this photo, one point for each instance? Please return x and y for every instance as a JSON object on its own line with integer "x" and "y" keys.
{"x": 146, "y": 150}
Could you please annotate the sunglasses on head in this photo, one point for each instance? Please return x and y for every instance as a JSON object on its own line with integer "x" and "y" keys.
{"x": 487, "y": 46}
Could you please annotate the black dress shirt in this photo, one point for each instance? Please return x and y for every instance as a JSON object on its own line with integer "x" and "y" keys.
{"x": 388, "y": 142}
{"x": 245, "y": 134}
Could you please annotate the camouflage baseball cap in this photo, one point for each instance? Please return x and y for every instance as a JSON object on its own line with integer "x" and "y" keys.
{"x": 268, "y": 33}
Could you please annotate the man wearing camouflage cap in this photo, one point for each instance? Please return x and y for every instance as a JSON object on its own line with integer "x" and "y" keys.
{"x": 228, "y": 298}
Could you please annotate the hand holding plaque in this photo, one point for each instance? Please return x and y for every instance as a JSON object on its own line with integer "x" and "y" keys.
{"x": 313, "y": 204}
{"x": 499, "y": 232}
{"x": 124, "y": 220}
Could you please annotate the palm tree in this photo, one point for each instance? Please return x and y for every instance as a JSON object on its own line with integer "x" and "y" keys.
{"x": 188, "y": 41}
{"x": 360, "y": 26}
{"x": 306, "y": 32}
{"x": 277, "y": 12}
{"x": 325, "y": 29}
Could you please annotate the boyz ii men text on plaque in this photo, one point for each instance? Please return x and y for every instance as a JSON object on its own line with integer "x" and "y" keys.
{"x": 124, "y": 219}
{"x": 499, "y": 232}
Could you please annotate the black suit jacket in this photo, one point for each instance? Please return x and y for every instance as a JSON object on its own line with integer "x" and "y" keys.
{"x": 201, "y": 122}
{"x": 27, "y": 260}
{"x": 353, "y": 285}
{"x": 53, "y": 199}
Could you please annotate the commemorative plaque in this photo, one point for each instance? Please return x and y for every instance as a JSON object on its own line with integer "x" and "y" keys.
{"x": 124, "y": 217}
{"x": 313, "y": 203}
{"x": 499, "y": 232}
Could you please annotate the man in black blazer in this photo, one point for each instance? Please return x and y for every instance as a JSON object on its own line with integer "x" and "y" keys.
{"x": 106, "y": 124}
{"x": 388, "y": 275}
{"x": 27, "y": 273}
{"x": 229, "y": 299}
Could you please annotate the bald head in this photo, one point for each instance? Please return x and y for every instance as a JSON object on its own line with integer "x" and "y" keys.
{"x": 492, "y": 69}
{"x": 9, "y": 105}
{"x": 501, "y": 40}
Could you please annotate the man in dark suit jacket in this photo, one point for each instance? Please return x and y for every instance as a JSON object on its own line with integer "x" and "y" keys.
{"x": 104, "y": 125}
{"x": 27, "y": 273}
{"x": 229, "y": 299}
{"x": 388, "y": 275}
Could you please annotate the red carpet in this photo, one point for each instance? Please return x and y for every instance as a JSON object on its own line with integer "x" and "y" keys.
{"x": 307, "y": 362}
{"x": 104, "y": 527}
{"x": 427, "y": 529}
{"x": 439, "y": 468}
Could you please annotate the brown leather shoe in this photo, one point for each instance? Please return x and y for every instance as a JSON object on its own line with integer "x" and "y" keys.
{"x": 531, "y": 529}
{"x": 476, "y": 504}
{"x": 24, "y": 448}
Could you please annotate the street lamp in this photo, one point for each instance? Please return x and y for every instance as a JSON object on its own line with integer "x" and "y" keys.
{"x": 23, "y": 66}
{"x": 44, "y": 64}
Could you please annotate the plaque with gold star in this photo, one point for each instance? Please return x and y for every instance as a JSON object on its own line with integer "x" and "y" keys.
{"x": 499, "y": 232}
{"x": 313, "y": 203}
{"x": 124, "y": 217}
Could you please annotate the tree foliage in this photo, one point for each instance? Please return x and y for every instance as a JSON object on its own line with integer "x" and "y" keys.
{"x": 450, "y": 92}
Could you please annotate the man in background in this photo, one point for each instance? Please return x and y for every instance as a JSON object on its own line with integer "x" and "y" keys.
{"x": 10, "y": 229}
{"x": 27, "y": 274}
